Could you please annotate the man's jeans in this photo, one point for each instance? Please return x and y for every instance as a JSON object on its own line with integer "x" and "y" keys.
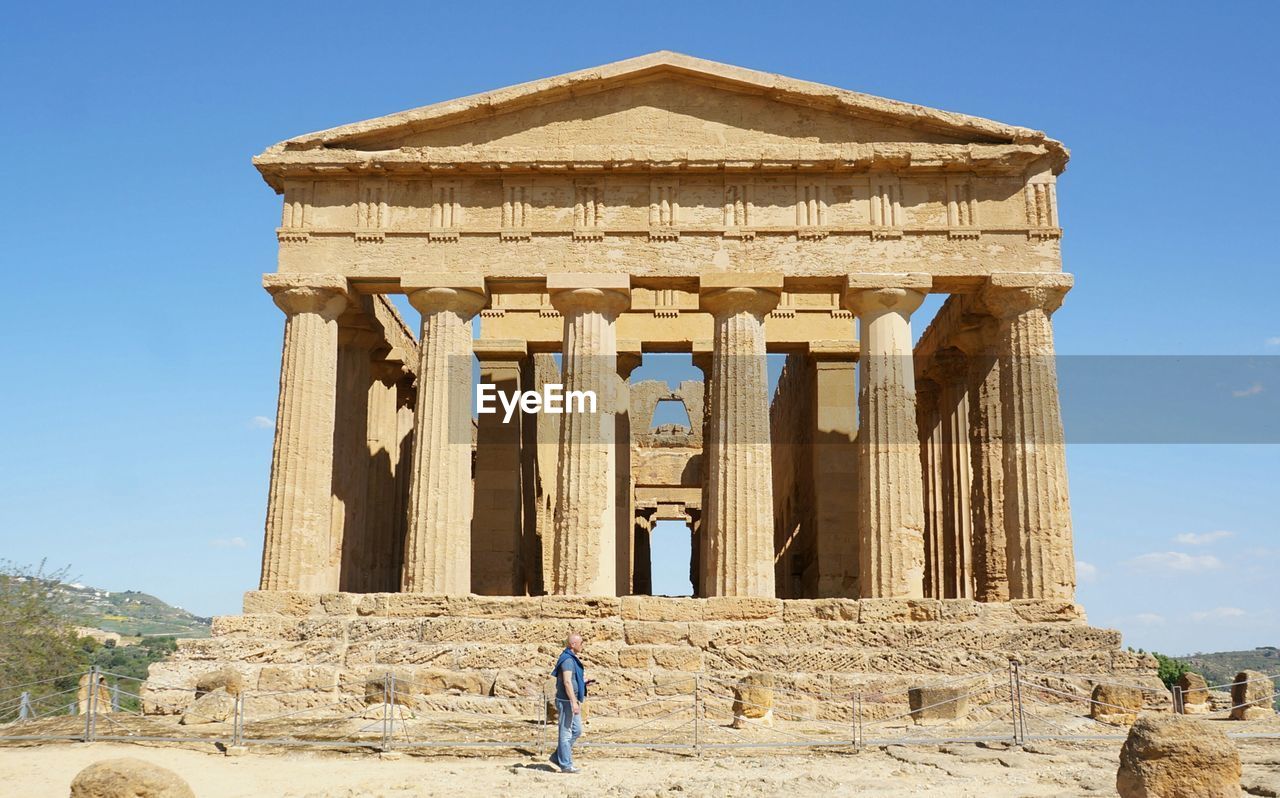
{"x": 570, "y": 731}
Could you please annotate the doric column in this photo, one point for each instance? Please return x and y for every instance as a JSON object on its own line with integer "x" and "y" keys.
{"x": 629, "y": 358}
{"x": 496, "y": 532}
{"x": 929, "y": 424}
{"x": 739, "y": 523}
{"x": 957, "y": 481}
{"x": 437, "y": 556}
{"x": 834, "y": 457}
{"x": 890, "y": 504}
{"x": 700, "y": 543}
{"x": 1036, "y": 505}
{"x": 350, "y": 556}
{"x": 295, "y": 553}
{"x": 585, "y": 523}
{"x": 986, "y": 450}
{"x": 383, "y": 435}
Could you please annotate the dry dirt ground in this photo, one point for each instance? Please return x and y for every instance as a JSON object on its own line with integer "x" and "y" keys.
{"x": 1057, "y": 769}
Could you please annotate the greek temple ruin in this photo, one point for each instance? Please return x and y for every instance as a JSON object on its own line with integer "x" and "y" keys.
{"x": 889, "y": 512}
{"x": 667, "y": 204}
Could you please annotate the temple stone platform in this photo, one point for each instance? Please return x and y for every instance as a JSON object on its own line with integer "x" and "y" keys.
{"x": 300, "y": 650}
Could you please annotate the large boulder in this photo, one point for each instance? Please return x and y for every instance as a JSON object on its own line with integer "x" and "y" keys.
{"x": 753, "y": 700}
{"x": 933, "y": 705}
{"x": 1115, "y": 704}
{"x": 128, "y": 778}
{"x": 224, "y": 678}
{"x": 215, "y": 707}
{"x": 1195, "y": 693}
{"x": 1253, "y": 696}
{"x": 1174, "y": 756}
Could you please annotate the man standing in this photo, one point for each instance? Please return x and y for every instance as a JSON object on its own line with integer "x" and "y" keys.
{"x": 571, "y": 691}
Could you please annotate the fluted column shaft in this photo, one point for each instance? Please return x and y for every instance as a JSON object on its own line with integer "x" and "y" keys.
{"x": 383, "y": 439}
{"x": 295, "y": 552}
{"x": 986, "y": 452}
{"x": 437, "y": 556}
{"x": 957, "y": 475}
{"x": 584, "y": 548}
{"x": 739, "y": 525}
{"x": 1037, "y": 509}
{"x": 890, "y": 504}
{"x": 350, "y": 556}
{"x": 930, "y": 431}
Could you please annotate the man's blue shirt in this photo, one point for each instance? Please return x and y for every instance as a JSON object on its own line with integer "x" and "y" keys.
{"x": 569, "y": 662}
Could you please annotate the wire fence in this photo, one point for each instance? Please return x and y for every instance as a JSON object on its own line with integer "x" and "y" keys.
{"x": 697, "y": 713}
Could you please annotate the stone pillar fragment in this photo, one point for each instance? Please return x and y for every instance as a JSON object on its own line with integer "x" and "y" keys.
{"x": 350, "y": 555}
{"x": 437, "y": 557}
{"x": 739, "y": 521}
{"x": 700, "y": 543}
{"x": 930, "y": 431}
{"x": 1036, "y": 505}
{"x": 496, "y": 528}
{"x": 295, "y": 552}
{"x": 891, "y": 505}
{"x": 585, "y": 525}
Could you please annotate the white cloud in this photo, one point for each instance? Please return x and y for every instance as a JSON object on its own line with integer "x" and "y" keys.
{"x": 1218, "y": 614}
{"x": 1252, "y": 390}
{"x": 1273, "y": 340}
{"x": 236, "y": 542}
{"x": 1086, "y": 571}
{"x": 1149, "y": 619}
{"x": 1202, "y": 539}
{"x": 1177, "y": 562}
{"x": 261, "y": 422}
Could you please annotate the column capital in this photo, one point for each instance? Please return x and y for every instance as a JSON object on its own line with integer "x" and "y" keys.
{"x": 325, "y": 294}
{"x": 629, "y": 357}
{"x": 870, "y": 293}
{"x": 726, "y": 293}
{"x": 463, "y": 294}
{"x": 603, "y": 293}
{"x": 500, "y": 349}
{"x": 1007, "y": 295}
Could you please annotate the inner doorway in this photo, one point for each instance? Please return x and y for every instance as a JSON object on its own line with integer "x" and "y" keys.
{"x": 670, "y": 552}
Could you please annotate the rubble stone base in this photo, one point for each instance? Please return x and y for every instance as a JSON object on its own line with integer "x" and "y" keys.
{"x": 300, "y": 650}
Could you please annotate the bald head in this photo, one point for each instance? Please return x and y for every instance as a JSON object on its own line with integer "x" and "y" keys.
{"x": 575, "y": 642}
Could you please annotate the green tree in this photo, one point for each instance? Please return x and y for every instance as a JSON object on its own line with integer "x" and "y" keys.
{"x": 39, "y": 651}
{"x": 1170, "y": 669}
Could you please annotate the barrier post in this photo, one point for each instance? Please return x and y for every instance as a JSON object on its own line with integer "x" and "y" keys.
{"x": 697, "y": 724}
{"x": 1178, "y": 701}
{"x": 388, "y": 685}
{"x": 89, "y": 731}
{"x": 24, "y": 706}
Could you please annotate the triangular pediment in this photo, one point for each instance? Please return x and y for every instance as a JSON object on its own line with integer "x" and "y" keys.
{"x": 665, "y": 100}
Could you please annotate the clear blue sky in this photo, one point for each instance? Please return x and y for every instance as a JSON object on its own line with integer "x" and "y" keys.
{"x": 138, "y": 349}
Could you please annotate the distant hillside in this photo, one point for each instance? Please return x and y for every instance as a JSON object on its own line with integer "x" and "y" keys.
{"x": 130, "y": 613}
{"x": 1221, "y": 667}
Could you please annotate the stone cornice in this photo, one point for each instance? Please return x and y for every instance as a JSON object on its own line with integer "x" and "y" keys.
{"x": 592, "y": 159}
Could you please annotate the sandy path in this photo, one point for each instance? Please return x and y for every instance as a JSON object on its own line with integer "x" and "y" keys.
{"x": 946, "y": 772}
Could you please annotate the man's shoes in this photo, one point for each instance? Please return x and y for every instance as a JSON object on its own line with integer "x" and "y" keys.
{"x": 570, "y": 770}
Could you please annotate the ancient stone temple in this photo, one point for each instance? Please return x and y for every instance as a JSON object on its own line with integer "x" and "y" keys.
{"x": 559, "y": 231}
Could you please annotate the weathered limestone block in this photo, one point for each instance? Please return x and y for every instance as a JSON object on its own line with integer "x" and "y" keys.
{"x": 404, "y": 605}
{"x": 1116, "y": 704}
{"x": 128, "y": 778}
{"x": 960, "y": 610}
{"x": 658, "y": 608}
{"x": 216, "y": 706}
{"x": 367, "y": 629}
{"x": 1195, "y": 693}
{"x": 281, "y": 602}
{"x": 224, "y": 679}
{"x": 578, "y": 607}
{"x": 1173, "y": 756}
{"x": 828, "y": 609}
{"x": 654, "y": 632}
{"x": 1253, "y": 696}
{"x": 937, "y": 705}
{"x": 495, "y": 607}
{"x": 753, "y": 700}
{"x": 397, "y": 653}
{"x": 897, "y": 610}
{"x": 741, "y": 608}
{"x": 488, "y": 655}
{"x": 677, "y": 658}
{"x": 941, "y": 661}
{"x": 1046, "y": 610}
{"x": 262, "y": 650}
{"x": 297, "y": 678}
